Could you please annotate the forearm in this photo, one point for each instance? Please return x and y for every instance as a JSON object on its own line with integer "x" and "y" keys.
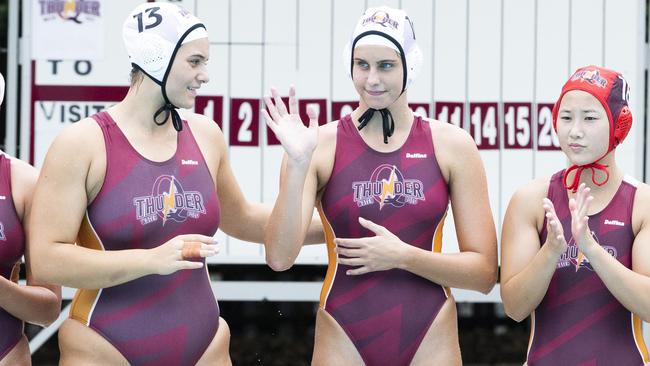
{"x": 286, "y": 227}
{"x": 250, "y": 225}
{"x": 467, "y": 270}
{"x": 315, "y": 233}
{"x": 631, "y": 289}
{"x": 522, "y": 293}
{"x": 74, "y": 266}
{"x": 33, "y": 304}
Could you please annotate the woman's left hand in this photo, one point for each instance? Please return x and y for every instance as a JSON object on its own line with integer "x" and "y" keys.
{"x": 579, "y": 206}
{"x": 375, "y": 253}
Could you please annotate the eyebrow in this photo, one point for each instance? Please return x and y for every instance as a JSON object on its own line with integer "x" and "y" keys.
{"x": 379, "y": 62}
{"x": 197, "y": 55}
{"x": 565, "y": 110}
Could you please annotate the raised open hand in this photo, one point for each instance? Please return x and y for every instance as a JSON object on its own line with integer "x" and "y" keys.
{"x": 298, "y": 141}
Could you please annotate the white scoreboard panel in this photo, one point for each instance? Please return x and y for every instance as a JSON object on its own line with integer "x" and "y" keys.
{"x": 493, "y": 67}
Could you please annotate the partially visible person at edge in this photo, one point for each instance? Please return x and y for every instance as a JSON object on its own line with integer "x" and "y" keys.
{"x": 138, "y": 186}
{"x": 576, "y": 245}
{"x": 37, "y": 302}
{"x": 382, "y": 179}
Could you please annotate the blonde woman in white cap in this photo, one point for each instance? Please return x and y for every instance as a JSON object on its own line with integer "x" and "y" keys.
{"x": 36, "y": 303}
{"x": 382, "y": 179}
{"x": 135, "y": 187}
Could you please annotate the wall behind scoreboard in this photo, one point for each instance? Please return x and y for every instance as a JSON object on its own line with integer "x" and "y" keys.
{"x": 493, "y": 67}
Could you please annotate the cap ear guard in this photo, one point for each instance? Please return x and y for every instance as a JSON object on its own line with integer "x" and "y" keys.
{"x": 623, "y": 125}
{"x": 554, "y": 113}
{"x": 153, "y": 56}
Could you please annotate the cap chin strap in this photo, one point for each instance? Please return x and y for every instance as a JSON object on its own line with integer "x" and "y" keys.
{"x": 388, "y": 123}
{"x": 166, "y": 110}
{"x": 579, "y": 169}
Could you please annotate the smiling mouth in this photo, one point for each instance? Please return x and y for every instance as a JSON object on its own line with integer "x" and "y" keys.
{"x": 375, "y": 93}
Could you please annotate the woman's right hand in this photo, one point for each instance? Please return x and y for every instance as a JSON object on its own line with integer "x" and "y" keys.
{"x": 298, "y": 141}
{"x": 555, "y": 233}
{"x": 182, "y": 252}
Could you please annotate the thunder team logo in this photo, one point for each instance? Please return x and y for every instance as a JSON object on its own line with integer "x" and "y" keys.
{"x": 591, "y": 76}
{"x": 168, "y": 201}
{"x": 381, "y": 18}
{"x": 69, "y": 9}
{"x": 574, "y": 257}
{"x": 387, "y": 186}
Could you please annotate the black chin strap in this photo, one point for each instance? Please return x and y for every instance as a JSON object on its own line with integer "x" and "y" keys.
{"x": 387, "y": 121}
{"x": 166, "y": 110}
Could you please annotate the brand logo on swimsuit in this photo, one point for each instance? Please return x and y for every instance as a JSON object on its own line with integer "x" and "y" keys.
{"x": 168, "y": 201}
{"x": 387, "y": 186}
{"x": 614, "y": 222}
{"x": 69, "y": 9}
{"x": 2, "y": 232}
{"x": 416, "y": 156}
{"x": 189, "y": 162}
{"x": 3, "y": 198}
{"x": 574, "y": 257}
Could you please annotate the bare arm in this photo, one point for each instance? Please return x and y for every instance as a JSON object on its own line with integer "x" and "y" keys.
{"x": 475, "y": 267}
{"x": 527, "y": 267}
{"x": 241, "y": 218}
{"x": 630, "y": 286}
{"x": 36, "y": 303}
{"x": 294, "y": 206}
{"x": 67, "y": 173}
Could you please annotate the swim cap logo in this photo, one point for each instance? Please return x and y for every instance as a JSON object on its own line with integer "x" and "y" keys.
{"x": 382, "y": 18}
{"x": 69, "y": 9}
{"x": 387, "y": 186}
{"x": 591, "y": 76}
{"x": 168, "y": 201}
{"x": 574, "y": 257}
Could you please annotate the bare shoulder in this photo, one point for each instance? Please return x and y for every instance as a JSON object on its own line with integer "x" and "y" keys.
{"x": 202, "y": 124}
{"x": 641, "y": 207}
{"x": 447, "y": 136}
{"x": 82, "y": 140}
{"x": 327, "y": 132}
{"x": 323, "y": 161}
{"x": 451, "y": 142}
{"x": 526, "y": 202}
{"x": 208, "y": 136}
{"x": 22, "y": 173}
{"x": 536, "y": 189}
{"x": 82, "y": 136}
{"x": 23, "y": 181}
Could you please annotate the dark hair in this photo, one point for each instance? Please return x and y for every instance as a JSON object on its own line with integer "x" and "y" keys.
{"x": 135, "y": 76}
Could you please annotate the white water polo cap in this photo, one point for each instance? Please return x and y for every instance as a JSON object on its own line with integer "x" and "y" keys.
{"x": 153, "y": 33}
{"x": 384, "y": 26}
